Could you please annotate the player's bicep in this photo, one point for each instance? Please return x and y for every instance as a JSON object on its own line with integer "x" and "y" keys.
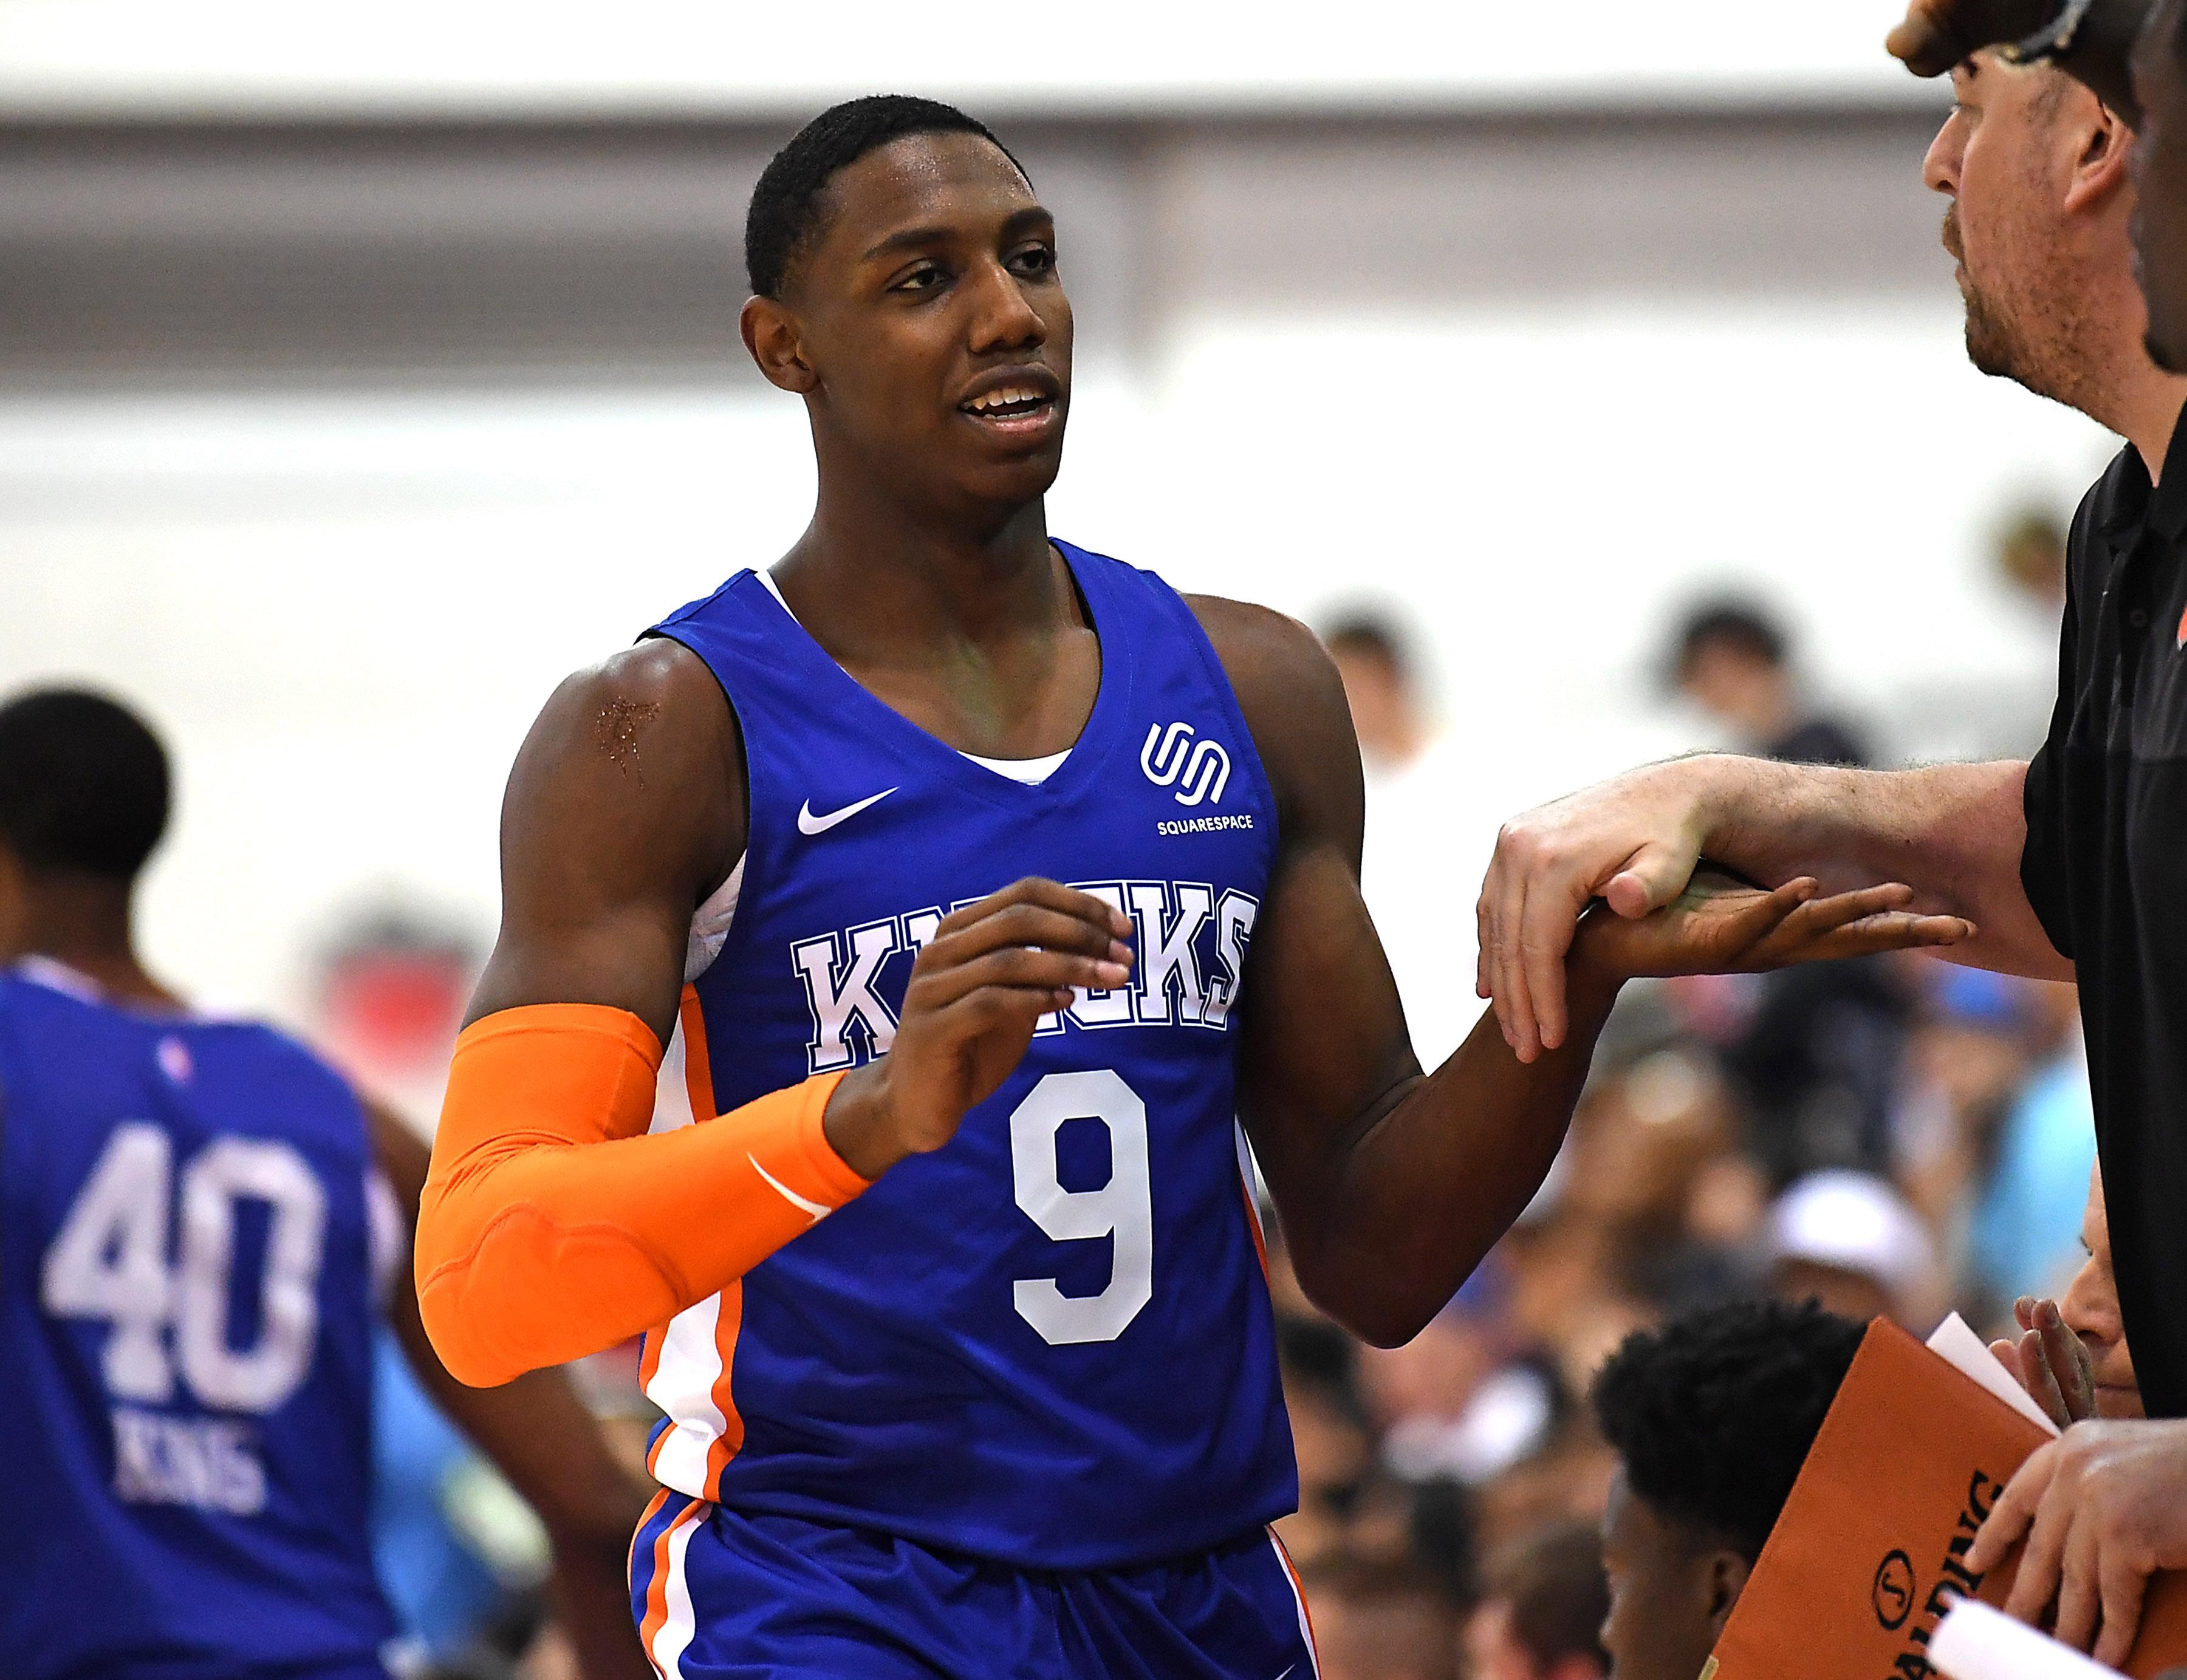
{"x": 1326, "y": 1048}
{"x": 624, "y": 809}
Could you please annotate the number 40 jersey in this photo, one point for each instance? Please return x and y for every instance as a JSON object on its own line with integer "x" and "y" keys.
{"x": 1049, "y": 1343}
{"x": 187, "y": 1281}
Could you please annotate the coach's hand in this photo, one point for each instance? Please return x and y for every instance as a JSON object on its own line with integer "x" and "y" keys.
{"x": 2049, "y": 1362}
{"x": 1632, "y": 841}
{"x": 980, "y": 986}
{"x": 1718, "y": 925}
{"x": 1938, "y": 34}
{"x": 2104, "y": 1508}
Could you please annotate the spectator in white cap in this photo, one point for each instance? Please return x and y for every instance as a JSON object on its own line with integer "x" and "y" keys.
{"x": 1852, "y": 1242}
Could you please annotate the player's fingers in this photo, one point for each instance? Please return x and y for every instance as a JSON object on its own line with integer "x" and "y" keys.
{"x": 1763, "y": 923}
{"x": 1018, "y": 967}
{"x": 2121, "y": 1585}
{"x": 1649, "y": 879}
{"x": 2008, "y": 1518}
{"x": 2023, "y": 1311}
{"x": 1032, "y": 925}
{"x": 1052, "y": 895}
{"x": 1892, "y": 930}
{"x": 1841, "y": 909}
{"x": 2078, "y": 1589}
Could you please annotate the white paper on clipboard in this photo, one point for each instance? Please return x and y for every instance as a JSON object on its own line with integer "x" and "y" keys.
{"x": 1959, "y": 1347}
{"x": 1976, "y": 1642}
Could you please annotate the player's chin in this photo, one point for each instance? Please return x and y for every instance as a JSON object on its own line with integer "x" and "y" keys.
{"x": 1012, "y": 477}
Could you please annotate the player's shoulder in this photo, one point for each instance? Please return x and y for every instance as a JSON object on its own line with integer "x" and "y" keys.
{"x": 1274, "y": 662}
{"x": 1292, "y": 700}
{"x": 653, "y": 707}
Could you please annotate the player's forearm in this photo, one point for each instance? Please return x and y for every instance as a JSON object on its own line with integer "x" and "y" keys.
{"x": 1430, "y": 1182}
{"x": 1953, "y": 833}
{"x": 553, "y": 1226}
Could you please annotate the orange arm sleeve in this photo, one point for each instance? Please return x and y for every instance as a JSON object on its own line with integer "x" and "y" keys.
{"x": 553, "y": 1226}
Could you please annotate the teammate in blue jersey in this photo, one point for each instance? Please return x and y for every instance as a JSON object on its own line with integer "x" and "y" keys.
{"x": 994, "y": 886}
{"x": 198, "y": 1219}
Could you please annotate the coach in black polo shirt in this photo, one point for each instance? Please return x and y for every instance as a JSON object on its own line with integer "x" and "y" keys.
{"x": 2078, "y": 859}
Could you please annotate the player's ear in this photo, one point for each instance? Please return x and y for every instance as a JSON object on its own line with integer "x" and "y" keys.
{"x": 1726, "y": 1575}
{"x": 771, "y": 335}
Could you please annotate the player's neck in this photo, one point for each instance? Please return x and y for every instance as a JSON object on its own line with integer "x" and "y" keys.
{"x": 864, "y": 578}
{"x": 86, "y": 924}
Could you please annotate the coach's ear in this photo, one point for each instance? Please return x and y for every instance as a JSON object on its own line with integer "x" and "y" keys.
{"x": 2104, "y": 143}
{"x": 771, "y": 335}
{"x": 1727, "y": 1579}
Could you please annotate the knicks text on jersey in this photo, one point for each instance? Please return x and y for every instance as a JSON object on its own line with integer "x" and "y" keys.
{"x": 1048, "y": 1344}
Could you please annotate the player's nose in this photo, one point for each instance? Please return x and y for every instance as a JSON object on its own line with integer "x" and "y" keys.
{"x": 1002, "y": 317}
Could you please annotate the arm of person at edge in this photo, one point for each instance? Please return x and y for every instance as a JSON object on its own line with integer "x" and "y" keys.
{"x": 1954, "y": 833}
{"x": 626, "y": 809}
{"x": 1391, "y": 1184}
{"x": 542, "y": 1438}
{"x": 2101, "y": 1509}
{"x": 1937, "y": 34}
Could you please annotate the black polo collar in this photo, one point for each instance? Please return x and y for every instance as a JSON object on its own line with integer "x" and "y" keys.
{"x": 2167, "y": 504}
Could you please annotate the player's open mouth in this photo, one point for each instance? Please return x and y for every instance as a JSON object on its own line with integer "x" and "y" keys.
{"x": 1013, "y": 408}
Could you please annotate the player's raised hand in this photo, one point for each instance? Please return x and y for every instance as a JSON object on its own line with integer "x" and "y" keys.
{"x": 1937, "y": 34}
{"x": 2049, "y": 1362}
{"x": 1720, "y": 926}
{"x": 980, "y": 986}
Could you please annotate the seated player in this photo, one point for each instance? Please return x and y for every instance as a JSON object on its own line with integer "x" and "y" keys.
{"x": 952, "y": 1289}
{"x": 195, "y": 1242}
{"x": 1712, "y": 1417}
{"x": 2071, "y": 1355}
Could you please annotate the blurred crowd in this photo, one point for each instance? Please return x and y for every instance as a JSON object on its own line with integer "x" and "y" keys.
{"x": 1890, "y": 1135}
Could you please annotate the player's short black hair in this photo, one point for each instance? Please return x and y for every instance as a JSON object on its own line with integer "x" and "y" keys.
{"x": 1554, "y": 1583}
{"x": 1714, "y": 1413}
{"x": 1739, "y": 625}
{"x": 83, "y": 784}
{"x": 1375, "y": 634}
{"x": 787, "y": 206}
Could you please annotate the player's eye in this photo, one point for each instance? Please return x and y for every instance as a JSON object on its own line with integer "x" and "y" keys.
{"x": 926, "y": 277}
{"x": 1034, "y": 260}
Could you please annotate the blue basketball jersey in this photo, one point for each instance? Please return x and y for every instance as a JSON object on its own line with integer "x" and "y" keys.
{"x": 1049, "y": 1343}
{"x": 186, "y": 1304}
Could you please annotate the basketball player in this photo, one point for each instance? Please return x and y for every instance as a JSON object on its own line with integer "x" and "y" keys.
{"x": 965, "y": 1350}
{"x": 193, "y": 1235}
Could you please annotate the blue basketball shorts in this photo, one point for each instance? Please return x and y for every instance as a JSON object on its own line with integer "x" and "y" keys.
{"x": 723, "y": 1596}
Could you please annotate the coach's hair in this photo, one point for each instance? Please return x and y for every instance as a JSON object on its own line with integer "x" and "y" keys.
{"x": 1714, "y": 1413}
{"x": 83, "y": 784}
{"x": 787, "y": 206}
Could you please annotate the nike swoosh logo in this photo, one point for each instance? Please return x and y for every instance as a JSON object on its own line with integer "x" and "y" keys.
{"x": 819, "y": 1211}
{"x": 807, "y": 823}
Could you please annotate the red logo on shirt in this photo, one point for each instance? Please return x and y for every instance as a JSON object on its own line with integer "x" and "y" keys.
{"x": 2181, "y": 641}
